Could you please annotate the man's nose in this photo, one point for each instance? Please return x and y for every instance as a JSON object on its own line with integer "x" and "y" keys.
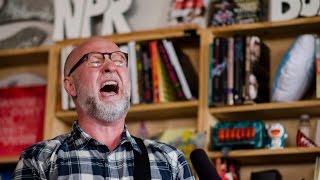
{"x": 108, "y": 65}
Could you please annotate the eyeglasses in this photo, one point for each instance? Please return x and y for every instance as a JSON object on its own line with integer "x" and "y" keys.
{"x": 96, "y": 59}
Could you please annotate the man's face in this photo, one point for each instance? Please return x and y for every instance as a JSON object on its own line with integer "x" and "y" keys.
{"x": 102, "y": 92}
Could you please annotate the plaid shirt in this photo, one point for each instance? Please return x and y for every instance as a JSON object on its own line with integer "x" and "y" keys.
{"x": 78, "y": 156}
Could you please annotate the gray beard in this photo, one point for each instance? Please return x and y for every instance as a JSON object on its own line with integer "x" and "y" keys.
{"x": 104, "y": 111}
{"x": 107, "y": 112}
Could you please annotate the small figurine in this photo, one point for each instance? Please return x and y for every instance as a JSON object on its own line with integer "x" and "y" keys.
{"x": 276, "y": 136}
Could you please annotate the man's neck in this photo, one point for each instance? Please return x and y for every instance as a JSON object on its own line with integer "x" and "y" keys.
{"x": 106, "y": 133}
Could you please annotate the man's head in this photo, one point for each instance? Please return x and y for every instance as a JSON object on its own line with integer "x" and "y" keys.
{"x": 97, "y": 77}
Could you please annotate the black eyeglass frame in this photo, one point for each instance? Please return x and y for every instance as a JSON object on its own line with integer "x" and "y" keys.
{"x": 85, "y": 58}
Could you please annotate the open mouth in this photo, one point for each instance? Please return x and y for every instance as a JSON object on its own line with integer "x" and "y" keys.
{"x": 110, "y": 87}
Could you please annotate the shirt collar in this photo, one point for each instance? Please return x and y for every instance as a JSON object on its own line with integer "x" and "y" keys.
{"x": 80, "y": 139}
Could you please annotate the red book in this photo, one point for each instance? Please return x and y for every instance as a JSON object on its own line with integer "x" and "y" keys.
{"x": 154, "y": 56}
{"x": 21, "y": 118}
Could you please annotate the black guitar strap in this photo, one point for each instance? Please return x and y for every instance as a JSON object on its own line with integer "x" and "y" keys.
{"x": 141, "y": 162}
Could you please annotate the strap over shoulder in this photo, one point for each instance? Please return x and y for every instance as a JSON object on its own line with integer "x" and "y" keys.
{"x": 141, "y": 162}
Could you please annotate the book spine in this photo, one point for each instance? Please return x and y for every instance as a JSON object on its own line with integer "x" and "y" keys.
{"x": 177, "y": 66}
{"x": 167, "y": 90}
{"x": 133, "y": 72}
{"x": 261, "y": 70}
{"x": 154, "y": 68}
{"x": 257, "y": 71}
{"x": 140, "y": 74}
{"x": 170, "y": 69}
{"x": 147, "y": 73}
{"x": 230, "y": 70}
{"x": 317, "y": 44}
{"x": 66, "y": 100}
{"x": 216, "y": 72}
{"x": 211, "y": 68}
{"x": 247, "y": 71}
{"x": 239, "y": 56}
{"x": 224, "y": 76}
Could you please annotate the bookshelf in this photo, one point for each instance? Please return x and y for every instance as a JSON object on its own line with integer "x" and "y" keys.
{"x": 196, "y": 113}
{"x": 278, "y": 36}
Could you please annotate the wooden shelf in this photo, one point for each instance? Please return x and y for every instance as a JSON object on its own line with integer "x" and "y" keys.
{"x": 16, "y": 57}
{"x": 163, "y": 33}
{"x": 8, "y": 160}
{"x": 273, "y": 110}
{"x": 148, "y": 111}
{"x": 305, "y": 24}
{"x": 272, "y": 156}
{"x": 26, "y": 51}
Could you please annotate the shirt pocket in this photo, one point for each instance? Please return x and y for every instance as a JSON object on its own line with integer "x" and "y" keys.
{"x": 161, "y": 170}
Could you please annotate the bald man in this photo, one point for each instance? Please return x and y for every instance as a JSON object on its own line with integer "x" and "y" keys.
{"x": 100, "y": 146}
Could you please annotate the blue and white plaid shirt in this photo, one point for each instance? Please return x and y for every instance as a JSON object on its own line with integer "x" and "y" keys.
{"x": 78, "y": 156}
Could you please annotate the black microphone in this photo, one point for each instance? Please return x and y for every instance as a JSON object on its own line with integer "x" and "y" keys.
{"x": 203, "y": 166}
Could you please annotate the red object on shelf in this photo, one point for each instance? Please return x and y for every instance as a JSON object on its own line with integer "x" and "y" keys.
{"x": 21, "y": 118}
{"x": 304, "y": 141}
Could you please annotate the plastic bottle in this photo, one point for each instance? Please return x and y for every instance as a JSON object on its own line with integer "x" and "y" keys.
{"x": 304, "y": 124}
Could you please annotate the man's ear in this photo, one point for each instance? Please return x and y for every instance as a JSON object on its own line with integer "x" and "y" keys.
{"x": 69, "y": 86}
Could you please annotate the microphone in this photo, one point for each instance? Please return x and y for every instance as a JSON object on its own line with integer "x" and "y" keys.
{"x": 203, "y": 166}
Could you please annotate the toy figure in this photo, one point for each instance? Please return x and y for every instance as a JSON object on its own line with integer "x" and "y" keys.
{"x": 276, "y": 136}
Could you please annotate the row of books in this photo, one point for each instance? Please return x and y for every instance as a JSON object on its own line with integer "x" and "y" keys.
{"x": 239, "y": 69}
{"x": 159, "y": 72}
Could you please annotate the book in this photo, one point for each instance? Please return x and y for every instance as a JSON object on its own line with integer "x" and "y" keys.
{"x": 166, "y": 88}
{"x": 211, "y": 68}
{"x": 66, "y": 100}
{"x": 133, "y": 72}
{"x": 189, "y": 71}
{"x": 230, "y": 71}
{"x": 22, "y": 118}
{"x": 239, "y": 63}
{"x": 154, "y": 56}
{"x": 178, "y": 68}
{"x": 139, "y": 59}
{"x": 250, "y": 81}
{"x": 223, "y": 87}
{"x": 257, "y": 71}
{"x": 171, "y": 71}
{"x": 147, "y": 73}
{"x": 220, "y": 71}
{"x": 164, "y": 85}
{"x": 216, "y": 96}
{"x": 317, "y": 54}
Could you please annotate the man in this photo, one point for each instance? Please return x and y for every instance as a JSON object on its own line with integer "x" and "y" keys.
{"x": 100, "y": 145}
